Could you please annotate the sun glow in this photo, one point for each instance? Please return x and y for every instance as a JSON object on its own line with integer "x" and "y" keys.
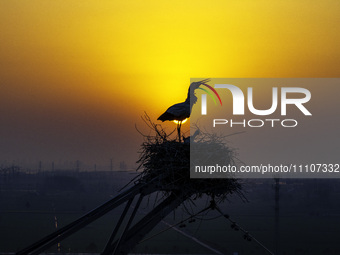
{"x": 85, "y": 67}
{"x": 183, "y": 121}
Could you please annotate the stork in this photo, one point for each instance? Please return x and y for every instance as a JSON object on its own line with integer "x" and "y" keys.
{"x": 181, "y": 111}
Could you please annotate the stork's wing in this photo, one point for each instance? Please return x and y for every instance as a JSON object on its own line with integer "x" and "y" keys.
{"x": 179, "y": 112}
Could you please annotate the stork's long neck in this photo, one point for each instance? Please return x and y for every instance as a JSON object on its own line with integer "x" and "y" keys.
{"x": 191, "y": 98}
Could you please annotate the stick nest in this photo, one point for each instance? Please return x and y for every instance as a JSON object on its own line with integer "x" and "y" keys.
{"x": 166, "y": 162}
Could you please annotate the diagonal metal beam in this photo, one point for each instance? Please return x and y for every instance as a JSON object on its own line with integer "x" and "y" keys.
{"x": 146, "y": 224}
{"x": 119, "y": 223}
{"x": 115, "y": 246}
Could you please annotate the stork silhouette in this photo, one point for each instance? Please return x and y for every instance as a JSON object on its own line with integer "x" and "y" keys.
{"x": 182, "y": 111}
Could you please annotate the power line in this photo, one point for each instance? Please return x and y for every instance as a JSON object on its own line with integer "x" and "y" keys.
{"x": 246, "y": 235}
{"x": 178, "y": 223}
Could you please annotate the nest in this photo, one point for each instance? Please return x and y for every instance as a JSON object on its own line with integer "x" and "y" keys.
{"x": 166, "y": 162}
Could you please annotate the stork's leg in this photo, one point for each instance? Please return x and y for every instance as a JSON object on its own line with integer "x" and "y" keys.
{"x": 179, "y": 132}
{"x": 179, "y": 124}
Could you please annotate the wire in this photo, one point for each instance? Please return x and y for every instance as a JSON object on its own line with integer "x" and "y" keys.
{"x": 246, "y": 236}
{"x": 205, "y": 209}
{"x": 213, "y": 218}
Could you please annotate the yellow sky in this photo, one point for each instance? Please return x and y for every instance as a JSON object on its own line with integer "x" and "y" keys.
{"x": 115, "y": 59}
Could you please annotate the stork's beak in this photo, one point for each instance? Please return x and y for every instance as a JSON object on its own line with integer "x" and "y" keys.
{"x": 195, "y": 85}
{"x": 198, "y": 83}
{"x": 204, "y": 81}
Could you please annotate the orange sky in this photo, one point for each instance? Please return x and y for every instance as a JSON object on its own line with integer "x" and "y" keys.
{"x": 77, "y": 75}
